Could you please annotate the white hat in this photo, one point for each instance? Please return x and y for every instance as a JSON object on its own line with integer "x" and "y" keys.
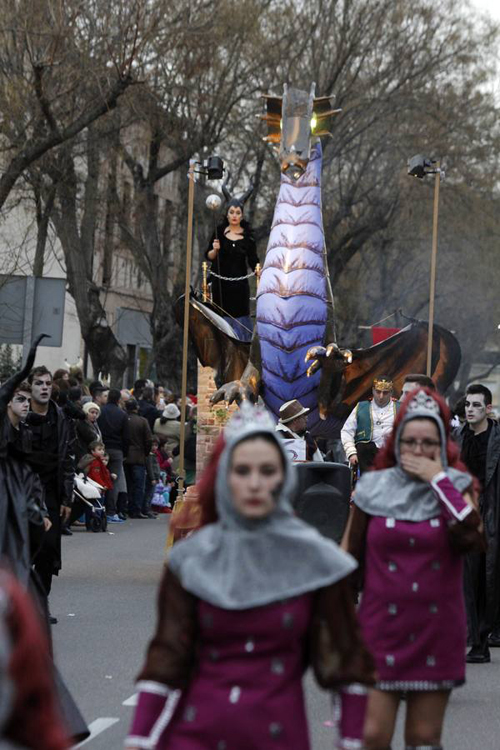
{"x": 91, "y": 405}
{"x": 171, "y": 412}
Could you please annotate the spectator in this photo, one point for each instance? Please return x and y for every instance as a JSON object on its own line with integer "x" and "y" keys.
{"x": 139, "y": 386}
{"x": 61, "y": 374}
{"x": 168, "y": 429}
{"x": 114, "y": 425}
{"x": 87, "y": 430}
{"x": 140, "y": 441}
{"x": 292, "y": 425}
{"x": 100, "y": 396}
{"x": 98, "y": 471}
{"x": 53, "y": 460}
{"x": 147, "y": 406}
{"x": 125, "y": 396}
{"x": 153, "y": 476}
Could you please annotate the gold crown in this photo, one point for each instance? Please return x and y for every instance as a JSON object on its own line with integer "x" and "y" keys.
{"x": 382, "y": 384}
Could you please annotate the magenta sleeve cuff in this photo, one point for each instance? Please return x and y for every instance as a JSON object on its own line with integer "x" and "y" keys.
{"x": 455, "y": 508}
{"x": 155, "y": 707}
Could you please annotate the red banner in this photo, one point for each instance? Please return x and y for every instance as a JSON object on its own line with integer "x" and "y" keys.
{"x": 381, "y": 334}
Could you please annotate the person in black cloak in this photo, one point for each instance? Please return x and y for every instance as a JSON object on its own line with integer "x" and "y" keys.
{"x": 22, "y": 510}
{"x": 52, "y": 458}
{"x": 232, "y": 251}
{"x": 24, "y": 517}
{"x": 480, "y": 441}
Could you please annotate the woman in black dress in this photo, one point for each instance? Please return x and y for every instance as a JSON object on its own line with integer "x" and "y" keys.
{"x": 232, "y": 252}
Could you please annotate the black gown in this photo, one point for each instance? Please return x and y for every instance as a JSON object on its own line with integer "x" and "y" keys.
{"x": 233, "y": 260}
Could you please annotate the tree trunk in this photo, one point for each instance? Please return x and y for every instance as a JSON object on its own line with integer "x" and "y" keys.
{"x": 78, "y": 243}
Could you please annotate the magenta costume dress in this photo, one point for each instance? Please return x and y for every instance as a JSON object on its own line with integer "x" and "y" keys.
{"x": 247, "y": 693}
{"x": 412, "y": 612}
{"x": 245, "y": 606}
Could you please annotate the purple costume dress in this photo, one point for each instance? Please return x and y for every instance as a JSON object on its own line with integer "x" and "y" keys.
{"x": 245, "y": 606}
{"x": 247, "y": 692}
{"x": 412, "y": 613}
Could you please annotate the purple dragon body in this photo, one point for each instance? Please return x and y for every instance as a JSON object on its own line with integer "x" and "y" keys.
{"x": 292, "y": 301}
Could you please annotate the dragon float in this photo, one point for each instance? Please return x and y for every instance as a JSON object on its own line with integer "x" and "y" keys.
{"x": 289, "y": 356}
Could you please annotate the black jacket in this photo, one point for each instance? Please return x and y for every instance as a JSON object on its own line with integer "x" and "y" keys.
{"x": 63, "y": 476}
{"x": 149, "y": 412}
{"x": 21, "y": 505}
{"x": 489, "y": 505}
{"x": 490, "y": 512}
{"x": 113, "y": 423}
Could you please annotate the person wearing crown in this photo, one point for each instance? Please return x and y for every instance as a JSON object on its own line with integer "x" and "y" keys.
{"x": 413, "y": 519}
{"x": 232, "y": 251}
{"x": 239, "y": 621}
{"x": 368, "y": 425}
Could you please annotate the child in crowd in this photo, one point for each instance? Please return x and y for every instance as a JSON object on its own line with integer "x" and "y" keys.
{"x": 153, "y": 476}
{"x": 98, "y": 471}
{"x": 164, "y": 459}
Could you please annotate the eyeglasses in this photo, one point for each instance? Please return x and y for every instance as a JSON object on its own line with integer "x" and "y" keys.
{"x": 425, "y": 444}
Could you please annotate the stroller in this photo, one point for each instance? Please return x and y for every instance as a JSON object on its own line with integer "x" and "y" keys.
{"x": 88, "y": 500}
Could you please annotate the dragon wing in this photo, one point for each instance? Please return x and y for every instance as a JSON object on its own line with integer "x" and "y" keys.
{"x": 397, "y": 356}
{"x": 214, "y": 341}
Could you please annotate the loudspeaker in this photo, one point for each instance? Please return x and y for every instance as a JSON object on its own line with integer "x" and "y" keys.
{"x": 322, "y": 497}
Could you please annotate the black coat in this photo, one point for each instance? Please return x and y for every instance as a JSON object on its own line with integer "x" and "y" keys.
{"x": 489, "y": 506}
{"x": 65, "y": 469}
{"x": 490, "y": 512}
{"x": 149, "y": 411}
{"x": 21, "y": 505}
{"x": 113, "y": 423}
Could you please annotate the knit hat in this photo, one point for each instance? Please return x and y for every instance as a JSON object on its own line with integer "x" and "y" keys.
{"x": 91, "y": 405}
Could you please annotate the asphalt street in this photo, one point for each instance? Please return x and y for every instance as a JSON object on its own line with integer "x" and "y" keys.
{"x": 105, "y": 602}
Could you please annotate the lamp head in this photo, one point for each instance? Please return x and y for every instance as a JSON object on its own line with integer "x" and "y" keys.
{"x": 214, "y": 167}
{"x": 419, "y": 165}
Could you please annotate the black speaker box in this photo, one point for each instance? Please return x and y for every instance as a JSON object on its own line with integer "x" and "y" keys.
{"x": 322, "y": 497}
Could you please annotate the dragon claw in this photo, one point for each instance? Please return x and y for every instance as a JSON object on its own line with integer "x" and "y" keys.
{"x": 234, "y": 392}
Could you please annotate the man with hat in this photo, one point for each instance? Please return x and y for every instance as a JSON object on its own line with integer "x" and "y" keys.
{"x": 292, "y": 425}
{"x": 368, "y": 425}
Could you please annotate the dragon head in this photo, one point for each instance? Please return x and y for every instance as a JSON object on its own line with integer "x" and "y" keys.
{"x": 292, "y": 120}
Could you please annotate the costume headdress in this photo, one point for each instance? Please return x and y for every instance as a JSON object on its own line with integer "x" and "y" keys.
{"x": 395, "y": 494}
{"x": 238, "y": 563}
{"x": 383, "y": 383}
{"x": 233, "y": 200}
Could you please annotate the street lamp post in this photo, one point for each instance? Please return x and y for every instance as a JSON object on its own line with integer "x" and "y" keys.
{"x": 420, "y": 166}
{"x": 213, "y": 168}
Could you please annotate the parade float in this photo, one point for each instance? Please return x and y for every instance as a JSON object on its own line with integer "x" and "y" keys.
{"x": 294, "y": 352}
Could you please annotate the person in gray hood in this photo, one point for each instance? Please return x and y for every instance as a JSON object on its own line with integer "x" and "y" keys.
{"x": 246, "y": 604}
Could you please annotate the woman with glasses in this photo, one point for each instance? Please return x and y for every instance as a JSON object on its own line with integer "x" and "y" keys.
{"x": 413, "y": 519}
